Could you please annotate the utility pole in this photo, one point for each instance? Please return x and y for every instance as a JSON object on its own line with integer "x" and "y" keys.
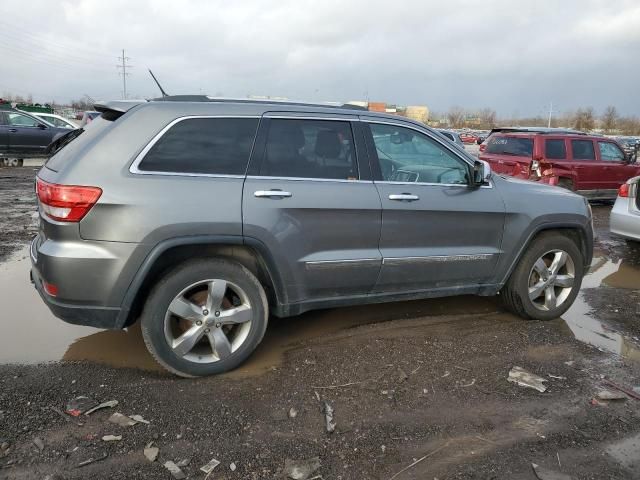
{"x": 123, "y": 66}
{"x": 550, "y": 113}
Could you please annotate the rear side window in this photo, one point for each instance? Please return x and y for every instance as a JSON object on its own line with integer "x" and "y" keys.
{"x": 215, "y": 146}
{"x": 555, "y": 149}
{"x": 583, "y": 150}
{"x": 517, "y": 146}
{"x": 310, "y": 149}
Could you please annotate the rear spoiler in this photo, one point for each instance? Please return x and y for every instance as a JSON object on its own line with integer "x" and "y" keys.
{"x": 112, "y": 110}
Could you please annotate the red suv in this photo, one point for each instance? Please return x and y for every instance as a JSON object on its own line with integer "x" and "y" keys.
{"x": 591, "y": 165}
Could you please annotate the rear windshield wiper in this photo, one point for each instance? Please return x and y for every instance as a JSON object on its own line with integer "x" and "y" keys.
{"x": 57, "y": 145}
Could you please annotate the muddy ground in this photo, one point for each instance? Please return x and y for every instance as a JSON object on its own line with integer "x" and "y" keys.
{"x": 406, "y": 381}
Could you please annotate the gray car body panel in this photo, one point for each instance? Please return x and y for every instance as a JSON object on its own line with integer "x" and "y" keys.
{"x": 331, "y": 243}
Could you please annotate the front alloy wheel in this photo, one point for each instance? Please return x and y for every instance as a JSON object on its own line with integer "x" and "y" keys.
{"x": 551, "y": 280}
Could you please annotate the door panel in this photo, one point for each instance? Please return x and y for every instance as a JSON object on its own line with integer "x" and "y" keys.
{"x": 322, "y": 232}
{"x": 436, "y": 231}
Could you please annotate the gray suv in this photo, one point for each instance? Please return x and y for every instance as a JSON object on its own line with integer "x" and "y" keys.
{"x": 202, "y": 217}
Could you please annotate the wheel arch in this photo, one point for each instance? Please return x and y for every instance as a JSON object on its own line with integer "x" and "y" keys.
{"x": 575, "y": 231}
{"x": 171, "y": 252}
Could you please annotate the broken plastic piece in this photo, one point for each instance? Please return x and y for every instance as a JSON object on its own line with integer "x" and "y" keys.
{"x": 545, "y": 474}
{"x": 109, "y": 404}
{"x": 77, "y": 406}
{"x": 328, "y": 417}
{"x": 208, "y": 468}
{"x": 175, "y": 470}
{"x": 122, "y": 420}
{"x": 527, "y": 379}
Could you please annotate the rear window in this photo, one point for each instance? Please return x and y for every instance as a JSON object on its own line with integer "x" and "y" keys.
{"x": 555, "y": 149}
{"x": 214, "y": 146}
{"x": 583, "y": 150}
{"x": 517, "y": 146}
{"x": 79, "y": 139}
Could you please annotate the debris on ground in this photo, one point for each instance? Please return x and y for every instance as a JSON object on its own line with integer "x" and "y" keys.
{"x": 328, "y": 417}
{"x": 77, "y": 406}
{"x": 419, "y": 460}
{"x": 91, "y": 460}
{"x": 183, "y": 463}
{"x": 557, "y": 377}
{"x": 232, "y": 467}
{"x": 300, "y": 469}
{"x": 609, "y": 395}
{"x": 545, "y": 474}
{"x": 293, "y": 413}
{"x": 151, "y": 452}
{"x": 4, "y": 449}
{"x": 122, "y": 420}
{"x": 111, "y": 438}
{"x": 523, "y": 378}
{"x": 38, "y": 443}
{"x": 61, "y": 413}
{"x": 208, "y": 468}
{"x": 109, "y": 404}
{"x": 175, "y": 470}
{"x": 402, "y": 375}
{"x": 620, "y": 388}
{"x": 139, "y": 419}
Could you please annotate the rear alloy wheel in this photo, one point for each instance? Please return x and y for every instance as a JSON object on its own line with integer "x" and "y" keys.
{"x": 547, "y": 279}
{"x": 205, "y": 317}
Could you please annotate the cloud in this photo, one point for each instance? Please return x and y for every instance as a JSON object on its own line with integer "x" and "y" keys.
{"x": 512, "y": 56}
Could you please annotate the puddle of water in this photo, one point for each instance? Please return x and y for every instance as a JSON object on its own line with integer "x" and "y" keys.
{"x": 591, "y": 330}
{"x": 627, "y": 452}
{"x": 30, "y": 334}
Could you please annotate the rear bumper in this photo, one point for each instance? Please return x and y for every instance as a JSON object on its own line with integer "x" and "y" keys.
{"x": 625, "y": 219}
{"x": 75, "y": 313}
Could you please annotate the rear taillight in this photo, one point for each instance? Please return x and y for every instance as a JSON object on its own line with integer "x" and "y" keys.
{"x": 623, "y": 191}
{"x": 66, "y": 203}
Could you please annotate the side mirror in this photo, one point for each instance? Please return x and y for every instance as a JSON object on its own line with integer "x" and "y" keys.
{"x": 42, "y": 126}
{"x": 481, "y": 173}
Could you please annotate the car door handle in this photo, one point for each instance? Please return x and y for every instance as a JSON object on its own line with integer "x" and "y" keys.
{"x": 404, "y": 197}
{"x": 13, "y": 130}
{"x": 271, "y": 194}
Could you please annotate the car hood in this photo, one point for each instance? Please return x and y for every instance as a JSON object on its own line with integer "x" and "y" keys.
{"x": 536, "y": 187}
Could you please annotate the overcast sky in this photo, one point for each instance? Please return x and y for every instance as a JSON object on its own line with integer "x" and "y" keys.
{"x": 513, "y": 56}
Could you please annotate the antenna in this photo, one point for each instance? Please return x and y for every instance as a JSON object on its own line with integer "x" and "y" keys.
{"x": 164, "y": 94}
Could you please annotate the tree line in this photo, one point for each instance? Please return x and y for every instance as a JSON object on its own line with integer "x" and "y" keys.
{"x": 584, "y": 119}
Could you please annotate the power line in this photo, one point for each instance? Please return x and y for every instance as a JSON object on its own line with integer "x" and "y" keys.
{"x": 124, "y": 65}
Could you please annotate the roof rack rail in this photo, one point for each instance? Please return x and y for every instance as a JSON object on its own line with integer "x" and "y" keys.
{"x": 541, "y": 130}
{"x": 205, "y": 98}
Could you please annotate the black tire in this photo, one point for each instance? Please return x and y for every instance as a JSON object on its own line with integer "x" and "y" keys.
{"x": 175, "y": 281}
{"x": 515, "y": 293}
{"x": 566, "y": 184}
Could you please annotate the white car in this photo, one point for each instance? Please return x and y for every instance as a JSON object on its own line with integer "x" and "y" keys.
{"x": 56, "y": 120}
{"x": 625, "y": 215}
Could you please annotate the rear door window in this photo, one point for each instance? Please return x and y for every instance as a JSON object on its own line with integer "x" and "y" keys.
{"x": 583, "y": 150}
{"x": 19, "y": 120}
{"x": 310, "y": 149}
{"x": 555, "y": 149}
{"x": 213, "y": 146}
{"x": 516, "y": 146}
{"x": 610, "y": 152}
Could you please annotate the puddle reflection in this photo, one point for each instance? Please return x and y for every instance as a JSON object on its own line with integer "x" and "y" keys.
{"x": 589, "y": 329}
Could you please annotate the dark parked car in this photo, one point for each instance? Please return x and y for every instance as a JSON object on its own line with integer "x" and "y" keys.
{"x": 202, "y": 217}
{"x": 24, "y": 135}
{"x": 453, "y": 137}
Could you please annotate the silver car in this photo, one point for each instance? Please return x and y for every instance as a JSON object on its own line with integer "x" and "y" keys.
{"x": 625, "y": 215}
